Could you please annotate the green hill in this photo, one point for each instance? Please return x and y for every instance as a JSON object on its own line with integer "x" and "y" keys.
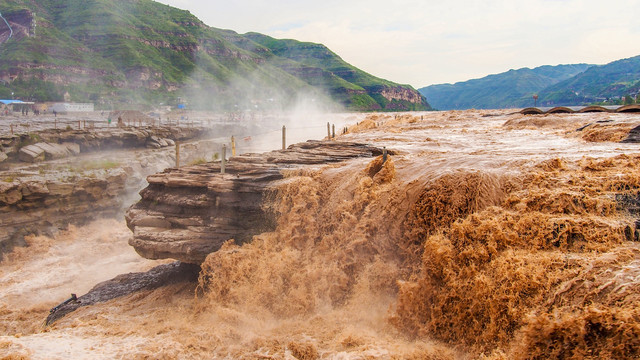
{"x": 598, "y": 84}
{"x": 510, "y": 89}
{"x": 115, "y": 52}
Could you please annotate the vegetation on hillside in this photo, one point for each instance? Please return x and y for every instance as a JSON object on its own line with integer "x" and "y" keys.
{"x": 616, "y": 83}
{"x": 140, "y": 51}
{"x": 605, "y": 84}
{"x": 514, "y": 88}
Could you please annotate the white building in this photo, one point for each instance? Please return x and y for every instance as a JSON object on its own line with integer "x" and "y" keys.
{"x": 71, "y": 107}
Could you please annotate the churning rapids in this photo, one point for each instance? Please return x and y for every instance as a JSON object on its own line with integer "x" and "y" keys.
{"x": 486, "y": 235}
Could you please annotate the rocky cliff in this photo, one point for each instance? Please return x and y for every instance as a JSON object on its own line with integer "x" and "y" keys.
{"x": 46, "y": 196}
{"x": 45, "y": 143}
{"x": 187, "y": 213}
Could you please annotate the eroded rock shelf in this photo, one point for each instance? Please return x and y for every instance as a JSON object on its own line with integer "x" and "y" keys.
{"x": 187, "y": 213}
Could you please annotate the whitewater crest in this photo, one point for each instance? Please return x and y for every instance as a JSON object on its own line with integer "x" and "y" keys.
{"x": 496, "y": 237}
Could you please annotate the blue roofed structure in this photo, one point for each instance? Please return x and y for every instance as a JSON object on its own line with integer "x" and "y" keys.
{"x": 16, "y": 102}
{"x": 9, "y": 102}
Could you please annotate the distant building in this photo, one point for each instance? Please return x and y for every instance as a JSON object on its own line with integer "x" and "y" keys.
{"x": 71, "y": 107}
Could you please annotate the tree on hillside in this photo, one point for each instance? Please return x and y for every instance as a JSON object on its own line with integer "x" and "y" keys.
{"x": 628, "y": 100}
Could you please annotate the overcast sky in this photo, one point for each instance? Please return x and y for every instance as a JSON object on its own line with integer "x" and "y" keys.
{"x": 434, "y": 41}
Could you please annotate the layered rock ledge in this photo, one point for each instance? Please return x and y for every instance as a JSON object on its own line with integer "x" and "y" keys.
{"x": 188, "y": 213}
{"x": 55, "y": 144}
{"x": 44, "y": 197}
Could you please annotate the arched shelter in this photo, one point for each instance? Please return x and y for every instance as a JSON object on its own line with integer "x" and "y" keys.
{"x": 594, "y": 108}
{"x": 561, "y": 110}
{"x": 531, "y": 111}
{"x": 629, "y": 109}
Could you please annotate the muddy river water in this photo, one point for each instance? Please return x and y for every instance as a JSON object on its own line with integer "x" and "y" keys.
{"x": 487, "y": 234}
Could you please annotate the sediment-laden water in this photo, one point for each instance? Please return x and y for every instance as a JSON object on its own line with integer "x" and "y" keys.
{"x": 485, "y": 235}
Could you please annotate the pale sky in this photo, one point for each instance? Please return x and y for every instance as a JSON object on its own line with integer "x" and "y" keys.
{"x": 432, "y": 41}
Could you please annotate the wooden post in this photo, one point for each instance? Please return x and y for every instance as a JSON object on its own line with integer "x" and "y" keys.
{"x": 11, "y": 129}
{"x": 177, "y": 154}
{"x": 333, "y": 132}
{"x": 328, "y": 131}
{"x": 79, "y": 125}
{"x": 84, "y": 124}
{"x": 55, "y": 123}
{"x": 233, "y": 146}
{"x": 384, "y": 154}
{"x": 223, "y": 160}
{"x": 284, "y": 137}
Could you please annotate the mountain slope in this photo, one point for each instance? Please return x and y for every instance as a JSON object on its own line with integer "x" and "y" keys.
{"x": 347, "y": 83}
{"x": 513, "y": 88}
{"x": 140, "y": 51}
{"x": 598, "y": 83}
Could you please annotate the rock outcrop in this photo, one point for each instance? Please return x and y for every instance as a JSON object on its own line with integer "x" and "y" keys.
{"x": 43, "y": 206}
{"x": 56, "y": 144}
{"x": 126, "y": 284}
{"x": 634, "y": 135}
{"x": 188, "y": 213}
{"x": 43, "y": 198}
{"x": 47, "y": 151}
{"x": 31, "y": 153}
{"x": 401, "y": 93}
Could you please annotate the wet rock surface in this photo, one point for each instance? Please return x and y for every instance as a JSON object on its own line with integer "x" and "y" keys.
{"x": 43, "y": 206}
{"x": 44, "y": 197}
{"x": 55, "y": 144}
{"x": 126, "y": 284}
{"x": 188, "y": 213}
{"x": 634, "y": 135}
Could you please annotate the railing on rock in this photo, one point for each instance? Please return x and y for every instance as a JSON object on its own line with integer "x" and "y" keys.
{"x": 580, "y": 109}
